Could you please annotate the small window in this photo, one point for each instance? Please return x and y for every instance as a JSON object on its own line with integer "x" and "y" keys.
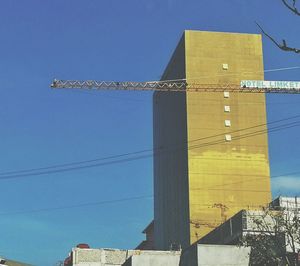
{"x": 227, "y": 108}
{"x": 227, "y": 123}
{"x": 228, "y": 137}
{"x": 226, "y": 94}
{"x": 225, "y": 66}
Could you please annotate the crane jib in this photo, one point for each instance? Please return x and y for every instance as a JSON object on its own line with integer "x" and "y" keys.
{"x": 246, "y": 86}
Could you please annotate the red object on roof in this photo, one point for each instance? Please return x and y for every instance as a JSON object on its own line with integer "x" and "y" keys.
{"x": 83, "y": 245}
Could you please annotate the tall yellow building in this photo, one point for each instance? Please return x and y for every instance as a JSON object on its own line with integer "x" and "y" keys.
{"x": 211, "y": 158}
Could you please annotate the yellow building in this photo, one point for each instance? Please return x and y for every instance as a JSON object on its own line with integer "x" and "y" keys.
{"x": 211, "y": 152}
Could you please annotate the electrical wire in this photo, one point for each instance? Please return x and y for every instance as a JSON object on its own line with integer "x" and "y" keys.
{"x": 197, "y": 146}
{"x": 105, "y": 202}
{"x": 251, "y": 134}
{"x": 78, "y": 163}
{"x": 97, "y": 203}
{"x": 130, "y": 199}
{"x": 252, "y": 179}
{"x": 14, "y": 174}
{"x": 134, "y": 158}
{"x": 231, "y": 74}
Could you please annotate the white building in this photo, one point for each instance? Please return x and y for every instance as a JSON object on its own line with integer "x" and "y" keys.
{"x": 196, "y": 255}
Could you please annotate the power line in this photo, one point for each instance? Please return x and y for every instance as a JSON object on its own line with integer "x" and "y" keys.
{"x": 104, "y": 202}
{"x": 140, "y": 151}
{"x": 244, "y": 181}
{"x": 253, "y": 179}
{"x": 287, "y": 174}
{"x": 247, "y": 135}
{"x": 76, "y": 167}
{"x": 259, "y": 178}
{"x": 134, "y": 198}
{"x": 282, "y": 69}
{"x": 76, "y": 163}
{"x": 50, "y": 170}
{"x": 134, "y": 158}
{"x": 233, "y": 74}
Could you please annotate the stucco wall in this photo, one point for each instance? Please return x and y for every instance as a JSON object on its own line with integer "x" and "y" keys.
{"x": 154, "y": 258}
{"x": 117, "y": 257}
{"x": 100, "y": 257}
{"x": 214, "y": 255}
{"x": 226, "y": 176}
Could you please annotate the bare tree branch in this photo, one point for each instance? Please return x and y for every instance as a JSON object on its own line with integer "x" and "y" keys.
{"x": 274, "y": 237}
{"x": 292, "y": 6}
{"x": 282, "y": 46}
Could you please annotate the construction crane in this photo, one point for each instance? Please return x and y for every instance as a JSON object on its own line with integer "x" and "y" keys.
{"x": 248, "y": 86}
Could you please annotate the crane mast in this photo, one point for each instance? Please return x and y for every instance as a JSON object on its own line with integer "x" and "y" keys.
{"x": 169, "y": 86}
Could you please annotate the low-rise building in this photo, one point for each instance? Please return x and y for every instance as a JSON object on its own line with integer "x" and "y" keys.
{"x": 245, "y": 222}
{"x": 121, "y": 257}
{"x": 211, "y": 255}
{"x": 148, "y": 244}
{"x": 277, "y": 225}
{"x": 219, "y": 247}
{"x": 196, "y": 255}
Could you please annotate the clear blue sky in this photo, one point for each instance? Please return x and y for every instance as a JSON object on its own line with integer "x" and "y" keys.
{"x": 107, "y": 40}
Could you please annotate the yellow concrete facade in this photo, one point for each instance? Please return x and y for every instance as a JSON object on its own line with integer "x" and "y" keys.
{"x": 232, "y": 175}
{"x": 220, "y": 162}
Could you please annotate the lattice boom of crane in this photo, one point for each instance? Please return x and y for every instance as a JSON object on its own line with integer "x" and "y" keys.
{"x": 166, "y": 86}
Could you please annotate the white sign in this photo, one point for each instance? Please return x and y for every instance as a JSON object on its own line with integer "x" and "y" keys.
{"x": 264, "y": 84}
